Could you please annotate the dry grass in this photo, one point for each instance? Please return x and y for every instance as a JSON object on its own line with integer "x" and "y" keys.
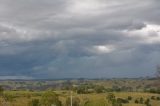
{"x": 22, "y": 98}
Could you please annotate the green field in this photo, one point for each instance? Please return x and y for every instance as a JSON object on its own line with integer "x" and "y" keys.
{"x": 125, "y": 92}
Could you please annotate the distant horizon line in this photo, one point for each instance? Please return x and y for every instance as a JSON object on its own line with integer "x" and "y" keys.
{"x": 103, "y": 78}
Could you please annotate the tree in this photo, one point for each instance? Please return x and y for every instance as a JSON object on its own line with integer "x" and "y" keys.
{"x": 1, "y": 90}
{"x": 110, "y": 97}
{"x": 49, "y": 98}
{"x": 82, "y": 89}
{"x": 99, "y": 89}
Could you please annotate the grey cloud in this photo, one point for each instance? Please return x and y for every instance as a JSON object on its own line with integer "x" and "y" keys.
{"x": 56, "y": 39}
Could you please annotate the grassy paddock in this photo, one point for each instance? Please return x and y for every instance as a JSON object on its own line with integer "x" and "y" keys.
{"x": 23, "y": 97}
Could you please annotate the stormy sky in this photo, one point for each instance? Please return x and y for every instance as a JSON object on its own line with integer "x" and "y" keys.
{"x": 79, "y": 38}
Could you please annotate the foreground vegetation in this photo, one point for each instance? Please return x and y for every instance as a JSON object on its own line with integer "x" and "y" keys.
{"x": 84, "y": 93}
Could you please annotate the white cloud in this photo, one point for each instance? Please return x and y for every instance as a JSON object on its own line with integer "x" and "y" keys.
{"x": 97, "y": 7}
{"x": 103, "y": 49}
{"x": 149, "y": 34}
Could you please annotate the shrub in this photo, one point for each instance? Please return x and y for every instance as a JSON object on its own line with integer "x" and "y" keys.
{"x": 34, "y": 102}
{"x": 148, "y": 105}
{"x": 99, "y": 89}
{"x": 110, "y": 97}
{"x": 153, "y": 97}
{"x": 147, "y": 101}
{"x": 158, "y": 98}
{"x": 136, "y": 101}
{"x": 141, "y": 100}
{"x": 121, "y": 100}
{"x": 8, "y": 97}
{"x": 50, "y": 98}
{"x": 1, "y": 90}
{"x": 129, "y": 98}
{"x": 116, "y": 88}
{"x": 81, "y": 90}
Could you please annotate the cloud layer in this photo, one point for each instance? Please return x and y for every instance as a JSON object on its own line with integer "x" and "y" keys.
{"x": 79, "y": 38}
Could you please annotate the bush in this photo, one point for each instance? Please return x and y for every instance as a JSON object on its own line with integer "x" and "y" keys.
{"x": 1, "y": 90}
{"x": 86, "y": 101}
{"x": 153, "y": 97}
{"x": 129, "y": 98}
{"x": 116, "y": 88}
{"x": 110, "y": 97}
{"x": 99, "y": 89}
{"x": 34, "y": 102}
{"x": 50, "y": 98}
{"x": 81, "y": 90}
{"x": 8, "y": 97}
{"x": 158, "y": 98}
{"x": 141, "y": 100}
{"x": 136, "y": 101}
{"x": 147, "y": 101}
{"x": 121, "y": 100}
{"x": 116, "y": 102}
{"x": 154, "y": 91}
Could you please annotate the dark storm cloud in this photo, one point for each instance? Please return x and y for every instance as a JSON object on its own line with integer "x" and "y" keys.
{"x": 87, "y": 38}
